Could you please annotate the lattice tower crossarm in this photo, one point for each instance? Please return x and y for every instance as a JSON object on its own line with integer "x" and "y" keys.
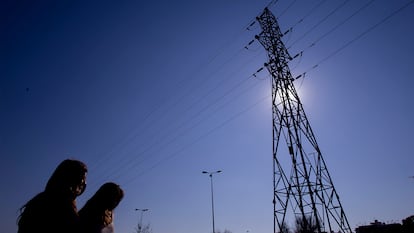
{"x": 307, "y": 192}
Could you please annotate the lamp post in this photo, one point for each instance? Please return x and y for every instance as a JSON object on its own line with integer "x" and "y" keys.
{"x": 140, "y": 219}
{"x": 212, "y": 196}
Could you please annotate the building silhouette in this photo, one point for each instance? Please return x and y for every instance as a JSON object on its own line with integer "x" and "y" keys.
{"x": 407, "y": 226}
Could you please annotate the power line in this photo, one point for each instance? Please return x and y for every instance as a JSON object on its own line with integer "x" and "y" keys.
{"x": 287, "y": 8}
{"x": 336, "y": 27}
{"x": 342, "y": 22}
{"x": 190, "y": 107}
{"x": 320, "y": 22}
{"x": 300, "y": 54}
{"x": 142, "y": 156}
{"x": 322, "y": 59}
{"x": 132, "y": 135}
{"x": 359, "y": 36}
{"x": 304, "y": 17}
{"x": 126, "y": 164}
{"x": 174, "y": 154}
{"x": 162, "y": 145}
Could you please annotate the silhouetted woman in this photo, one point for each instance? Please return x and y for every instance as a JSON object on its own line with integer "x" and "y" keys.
{"x": 54, "y": 209}
{"x": 97, "y": 214}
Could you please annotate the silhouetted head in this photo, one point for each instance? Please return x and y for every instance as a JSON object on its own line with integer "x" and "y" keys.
{"x": 108, "y": 196}
{"x": 69, "y": 178}
{"x": 57, "y": 202}
{"x": 98, "y": 210}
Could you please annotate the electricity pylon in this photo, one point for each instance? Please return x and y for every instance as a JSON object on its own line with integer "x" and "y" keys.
{"x": 307, "y": 192}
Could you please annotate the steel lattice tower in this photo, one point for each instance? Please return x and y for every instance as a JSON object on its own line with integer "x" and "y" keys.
{"x": 306, "y": 192}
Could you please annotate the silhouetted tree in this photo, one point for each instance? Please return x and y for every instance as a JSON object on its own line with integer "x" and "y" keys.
{"x": 143, "y": 228}
{"x": 408, "y": 225}
{"x": 305, "y": 225}
{"x": 285, "y": 228}
{"x": 225, "y": 231}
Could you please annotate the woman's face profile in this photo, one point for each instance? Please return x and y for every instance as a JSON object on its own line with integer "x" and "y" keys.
{"x": 80, "y": 188}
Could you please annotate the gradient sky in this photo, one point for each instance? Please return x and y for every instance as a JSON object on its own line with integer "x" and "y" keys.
{"x": 151, "y": 93}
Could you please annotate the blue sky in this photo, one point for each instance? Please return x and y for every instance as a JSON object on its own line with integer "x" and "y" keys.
{"x": 149, "y": 94}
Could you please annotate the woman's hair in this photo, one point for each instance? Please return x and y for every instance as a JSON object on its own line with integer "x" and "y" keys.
{"x": 68, "y": 176}
{"x": 95, "y": 212}
{"x": 58, "y": 199}
{"x": 107, "y": 197}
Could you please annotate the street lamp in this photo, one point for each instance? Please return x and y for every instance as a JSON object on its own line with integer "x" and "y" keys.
{"x": 212, "y": 197}
{"x": 140, "y": 219}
